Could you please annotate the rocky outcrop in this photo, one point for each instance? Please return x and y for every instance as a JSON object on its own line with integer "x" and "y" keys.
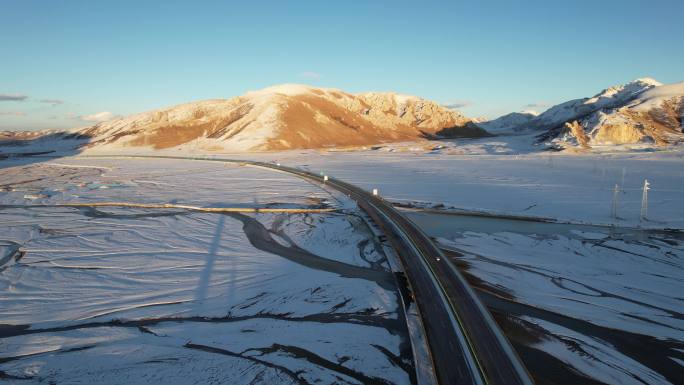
{"x": 575, "y": 130}
{"x": 640, "y": 112}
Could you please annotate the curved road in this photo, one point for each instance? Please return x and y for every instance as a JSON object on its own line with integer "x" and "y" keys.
{"x": 465, "y": 344}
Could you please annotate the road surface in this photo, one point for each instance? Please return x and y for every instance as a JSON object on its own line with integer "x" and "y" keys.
{"x": 465, "y": 345}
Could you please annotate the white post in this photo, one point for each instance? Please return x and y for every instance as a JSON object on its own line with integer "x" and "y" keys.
{"x": 325, "y": 178}
{"x": 644, "y": 201}
{"x": 375, "y": 192}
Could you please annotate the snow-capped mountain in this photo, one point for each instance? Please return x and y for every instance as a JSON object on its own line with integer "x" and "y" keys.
{"x": 293, "y": 116}
{"x": 612, "y": 97}
{"x": 515, "y": 121}
{"x": 641, "y": 111}
{"x": 289, "y": 116}
{"x": 654, "y": 115}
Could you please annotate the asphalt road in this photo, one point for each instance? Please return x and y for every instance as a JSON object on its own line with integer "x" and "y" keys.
{"x": 465, "y": 344}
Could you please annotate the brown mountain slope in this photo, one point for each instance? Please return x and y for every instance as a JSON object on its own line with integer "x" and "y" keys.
{"x": 285, "y": 117}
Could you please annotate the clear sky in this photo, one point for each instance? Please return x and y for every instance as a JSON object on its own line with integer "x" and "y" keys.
{"x": 64, "y": 63}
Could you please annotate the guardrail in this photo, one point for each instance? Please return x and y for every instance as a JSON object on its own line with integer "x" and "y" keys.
{"x": 465, "y": 344}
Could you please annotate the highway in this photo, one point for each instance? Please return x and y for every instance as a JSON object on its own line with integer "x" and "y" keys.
{"x": 465, "y": 344}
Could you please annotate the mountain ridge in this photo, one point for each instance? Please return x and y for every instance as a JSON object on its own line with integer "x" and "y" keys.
{"x": 638, "y": 112}
{"x": 296, "y": 116}
{"x": 288, "y": 116}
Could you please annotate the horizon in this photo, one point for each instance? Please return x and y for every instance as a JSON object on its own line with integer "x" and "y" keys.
{"x": 81, "y": 63}
{"x": 311, "y": 192}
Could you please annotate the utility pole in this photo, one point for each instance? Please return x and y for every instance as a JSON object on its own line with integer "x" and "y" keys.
{"x": 644, "y": 201}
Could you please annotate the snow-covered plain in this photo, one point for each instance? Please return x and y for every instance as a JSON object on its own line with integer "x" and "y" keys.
{"x": 594, "y": 304}
{"x": 604, "y": 303}
{"x": 630, "y": 332}
{"x": 564, "y": 187}
{"x": 120, "y": 295}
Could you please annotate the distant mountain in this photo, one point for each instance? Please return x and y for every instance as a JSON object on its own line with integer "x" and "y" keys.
{"x": 612, "y": 97}
{"x": 283, "y": 117}
{"x": 641, "y": 111}
{"x": 293, "y": 116}
{"x": 515, "y": 121}
{"x": 653, "y": 116}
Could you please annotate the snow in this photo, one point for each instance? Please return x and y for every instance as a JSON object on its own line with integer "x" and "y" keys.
{"x": 605, "y": 364}
{"x": 667, "y": 90}
{"x": 564, "y": 187}
{"x": 612, "y": 97}
{"x": 509, "y": 122}
{"x": 475, "y": 174}
{"x": 623, "y": 92}
{"x": 605, "y": 302}
{"x": 154, "y": 181}
{"x": 317, "y": 234}
{"x": 563, "y": 270}
{"x": 146, "y": 296}
{"x": 163, "y": 354}
{"x": 606, "y": 282}
{"x": 655, "y": 96}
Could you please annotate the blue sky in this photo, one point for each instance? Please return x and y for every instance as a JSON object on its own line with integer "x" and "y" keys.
{"x": 64, "y": 63}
